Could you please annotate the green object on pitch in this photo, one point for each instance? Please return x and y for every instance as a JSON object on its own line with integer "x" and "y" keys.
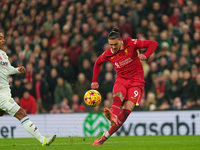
{"x": 95, "y": 124}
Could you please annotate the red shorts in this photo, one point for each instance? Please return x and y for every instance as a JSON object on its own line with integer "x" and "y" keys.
{"x": 131, "y": 90}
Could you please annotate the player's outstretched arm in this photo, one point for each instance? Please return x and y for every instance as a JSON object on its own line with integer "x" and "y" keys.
{"x": 13, "y": 70}
{"x": 96, "y": 70}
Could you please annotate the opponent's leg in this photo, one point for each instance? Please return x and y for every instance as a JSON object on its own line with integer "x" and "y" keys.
{"x": 121, "y": 118}
{"x": 30, "y": 127}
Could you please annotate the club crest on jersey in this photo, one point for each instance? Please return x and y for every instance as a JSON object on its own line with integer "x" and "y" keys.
{"x": 4, "y": 56}
{"x": 11, "y": 101}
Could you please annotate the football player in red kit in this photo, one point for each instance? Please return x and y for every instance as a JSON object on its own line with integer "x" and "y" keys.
{"x": 129, "y": 85}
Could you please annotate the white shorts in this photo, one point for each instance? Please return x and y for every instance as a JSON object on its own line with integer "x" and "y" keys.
{"x": 8, "y": 104}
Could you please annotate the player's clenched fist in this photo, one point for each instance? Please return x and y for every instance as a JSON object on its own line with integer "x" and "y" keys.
{"x": 22, "y": 69}
{"x": 142, "y": 57}
{"x": 95, "y": 85}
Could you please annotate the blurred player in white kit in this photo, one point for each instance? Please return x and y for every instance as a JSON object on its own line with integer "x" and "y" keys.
{"x": 7, "y": 103}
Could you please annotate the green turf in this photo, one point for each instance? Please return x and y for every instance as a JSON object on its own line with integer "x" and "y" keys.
{"x": 114, "y": 143}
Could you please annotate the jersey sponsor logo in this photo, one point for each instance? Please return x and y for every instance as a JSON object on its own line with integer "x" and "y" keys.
{"x": 126, "y": 61}
{"x": 3, "y": 63}
{"x": 0, "y": 58}
{"x": 95, "y": 124}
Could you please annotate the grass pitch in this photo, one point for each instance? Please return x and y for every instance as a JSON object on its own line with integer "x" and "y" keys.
{"x": 114, "y": 143}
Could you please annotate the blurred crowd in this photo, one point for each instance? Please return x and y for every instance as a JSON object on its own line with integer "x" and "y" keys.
{"x": 58, "y": 42}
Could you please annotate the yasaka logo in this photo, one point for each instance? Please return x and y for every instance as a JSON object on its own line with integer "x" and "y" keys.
{"x": 95, "y": 124}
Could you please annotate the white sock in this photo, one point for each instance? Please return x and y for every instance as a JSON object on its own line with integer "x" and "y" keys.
{"x": 30, "y": 127}
{"x": 107, "y": 135}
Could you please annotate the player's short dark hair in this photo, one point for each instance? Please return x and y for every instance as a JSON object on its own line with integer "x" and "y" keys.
{"x": 114, "y": 34}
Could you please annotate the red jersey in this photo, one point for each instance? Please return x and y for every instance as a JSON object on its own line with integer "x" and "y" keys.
{"x": 126, "y": 61}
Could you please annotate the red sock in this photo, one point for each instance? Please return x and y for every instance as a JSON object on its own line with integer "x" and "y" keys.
{"x": 121, "y": 119}
{"x": 116, "y": 105}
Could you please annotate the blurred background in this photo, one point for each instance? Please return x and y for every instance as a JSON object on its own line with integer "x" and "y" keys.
{"x": 58, "y": 42}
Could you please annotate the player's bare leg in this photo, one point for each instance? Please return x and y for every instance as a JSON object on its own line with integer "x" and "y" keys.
{"x": 121, "y": 118}
{"x": 30, "y": 127}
